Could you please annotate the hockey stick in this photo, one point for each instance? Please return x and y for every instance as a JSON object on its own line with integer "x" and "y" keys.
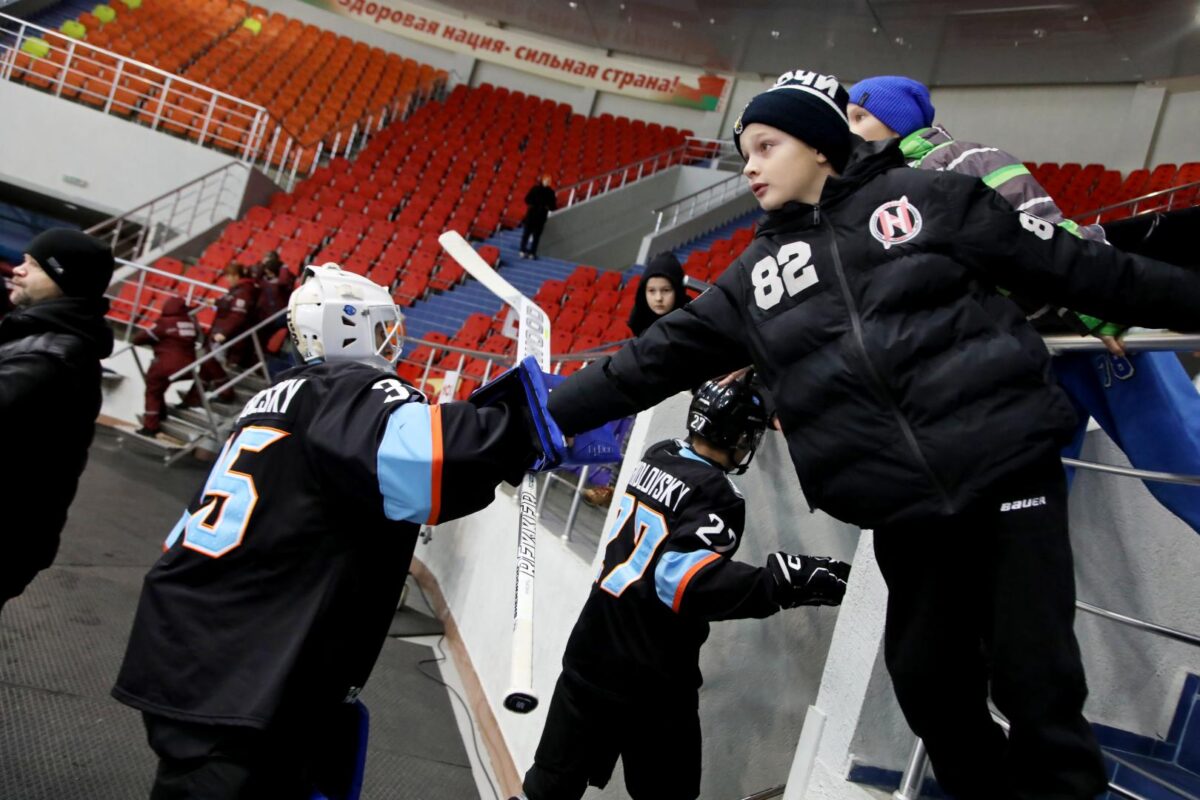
{"x": 533, "y": 339}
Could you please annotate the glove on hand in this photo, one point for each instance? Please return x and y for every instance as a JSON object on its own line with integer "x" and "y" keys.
{"x": 808, "y": 580}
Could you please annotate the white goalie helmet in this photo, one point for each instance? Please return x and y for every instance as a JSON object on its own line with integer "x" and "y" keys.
{"x": 336, "y": 315}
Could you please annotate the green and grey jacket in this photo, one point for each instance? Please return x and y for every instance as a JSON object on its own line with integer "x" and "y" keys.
{"x": 935, "y": 149}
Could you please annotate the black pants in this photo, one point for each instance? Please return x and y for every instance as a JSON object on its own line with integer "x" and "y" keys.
{"x": 531, "y": 234}
{"x": 988, "y": 598}
{"x": 227, "y": 762}
{"x": 658, "y": 741}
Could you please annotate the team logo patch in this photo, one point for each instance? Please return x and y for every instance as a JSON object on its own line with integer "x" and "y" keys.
{"x": 349, "y": 310}
{"x": 895, "y": 222}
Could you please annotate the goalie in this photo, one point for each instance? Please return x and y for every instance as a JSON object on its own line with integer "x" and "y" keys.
{"x": 631, "y": 671}
{"x": 261, "y": 622}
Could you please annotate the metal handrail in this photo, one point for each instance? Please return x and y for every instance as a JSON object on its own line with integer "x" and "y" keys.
{"x": 720, "y": 191}
{"x": 1133, "y": 342}
{"x": 142, "y": 217}
{"x": 162, "y": 80}
{"x": 1140, "y": 624}
{"x": 574, "y": 190}
{"x": 766, "y": 794}
{"x": 1135, "y": 202}
{"x": 1131, "y": 472}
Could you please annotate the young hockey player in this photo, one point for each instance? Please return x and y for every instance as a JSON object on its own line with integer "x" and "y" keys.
{"x": 918, "y": 402}
{"x": 265, "y": 615}
{"x": 631, "y": 671}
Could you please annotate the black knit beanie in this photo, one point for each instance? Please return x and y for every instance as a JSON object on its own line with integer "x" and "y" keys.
{"x": 807, "y": 105}
{"x": 81, "y": 265}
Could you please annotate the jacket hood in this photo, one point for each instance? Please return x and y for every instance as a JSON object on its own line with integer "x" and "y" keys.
{"x": 663, "y": 265}
{"x": 921, "y": 143}
{"x": 174, "y": 307}
{"x": 82, "y": 317}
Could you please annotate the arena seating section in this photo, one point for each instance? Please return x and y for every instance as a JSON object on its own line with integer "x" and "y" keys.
{"x": 313, "y": 83}
{"x": 464, "y": 163}
{"x": 1078, "y": 189}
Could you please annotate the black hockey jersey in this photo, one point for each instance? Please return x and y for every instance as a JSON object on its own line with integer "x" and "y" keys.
{"x": 281, "y": 578}
{"x": 667, "y": 571}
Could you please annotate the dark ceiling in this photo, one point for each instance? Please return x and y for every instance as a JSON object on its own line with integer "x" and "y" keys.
{"x": 971, "y": 42}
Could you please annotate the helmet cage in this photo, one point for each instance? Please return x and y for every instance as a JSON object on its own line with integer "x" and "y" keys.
{"x": 341, "y": 316}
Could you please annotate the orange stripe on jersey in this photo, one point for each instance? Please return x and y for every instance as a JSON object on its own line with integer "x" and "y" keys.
{"x": 691, "y": 573}
{"x": 435, "y": 481}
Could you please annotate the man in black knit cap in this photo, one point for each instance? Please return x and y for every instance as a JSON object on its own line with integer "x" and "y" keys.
{"x": 50, "y": 351}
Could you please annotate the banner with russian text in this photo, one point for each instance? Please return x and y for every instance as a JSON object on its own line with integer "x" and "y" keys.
{"x": 558, "y": 60}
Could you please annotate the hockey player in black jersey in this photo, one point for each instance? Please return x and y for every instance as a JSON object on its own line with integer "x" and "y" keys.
{"x": 631, "y": 671}
{"x": 259, "y": 625}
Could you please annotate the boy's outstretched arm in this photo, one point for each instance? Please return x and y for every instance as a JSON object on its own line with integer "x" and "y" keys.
{"x": 1035, "y": 258}
{"x": 681, "y": 350}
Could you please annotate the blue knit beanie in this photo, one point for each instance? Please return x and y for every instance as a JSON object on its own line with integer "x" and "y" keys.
{"x": 807, "y": 105}
{"x": 900, "y": 103}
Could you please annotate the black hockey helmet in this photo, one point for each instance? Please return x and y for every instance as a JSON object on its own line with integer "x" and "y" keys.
{"x": 732, "y": 417}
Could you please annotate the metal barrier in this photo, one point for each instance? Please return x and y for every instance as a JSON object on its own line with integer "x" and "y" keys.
{"x": 137, "y": 91}
{"x": 124, "y": 87}
{"x": 691, "y": 151}
{"x": 1164, "y": 200}
{"x": 196, "y": 292}
{"x": 696, "y": 203}
{"x": 918, "y": 761}
{"x": 175, "y": 216}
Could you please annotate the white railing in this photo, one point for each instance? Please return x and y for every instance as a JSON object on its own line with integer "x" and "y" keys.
{"x": 691, "y": 151}
{"x": 196, "y": 294}
{"x": 140, "y": 92}
{"x": 696, "y": 203}
{"x": 177, "y": 215}
{"x": 124, "y": 87}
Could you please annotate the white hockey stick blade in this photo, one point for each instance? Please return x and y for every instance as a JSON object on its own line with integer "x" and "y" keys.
{"x": 533, "y": 338}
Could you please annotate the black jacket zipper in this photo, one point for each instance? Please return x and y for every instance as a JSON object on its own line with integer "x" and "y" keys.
{"x": 873, "y": 374}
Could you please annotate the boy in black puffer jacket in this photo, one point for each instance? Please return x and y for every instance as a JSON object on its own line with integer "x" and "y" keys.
{"x": 916, "y": 401}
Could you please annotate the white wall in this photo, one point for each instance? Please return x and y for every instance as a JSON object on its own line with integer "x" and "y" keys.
{"x": 1177, "y": 140}
{"x": 44, "y": 138}
{"x": 1113, "y": 125}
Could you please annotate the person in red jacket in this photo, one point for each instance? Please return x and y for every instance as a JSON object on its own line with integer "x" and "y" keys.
{"x": 174, "y": 340}
{"x": 233, "y": 317}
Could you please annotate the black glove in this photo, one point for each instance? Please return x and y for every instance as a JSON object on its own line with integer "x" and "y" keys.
{"x": 808, "y": 580}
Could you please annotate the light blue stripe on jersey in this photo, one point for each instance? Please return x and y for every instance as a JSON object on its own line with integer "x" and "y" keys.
{"x": 688, "y": 452}
{"x": 405, "y": 464}
{"x": 671, "y": 571}
{"x": 176, "y": 531}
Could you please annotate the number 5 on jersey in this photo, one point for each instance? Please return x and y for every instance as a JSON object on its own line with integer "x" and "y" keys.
{"x": 220, "y": 535}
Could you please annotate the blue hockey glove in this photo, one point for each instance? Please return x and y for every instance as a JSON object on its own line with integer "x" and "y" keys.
{"x": 807, "y": 580}
{"x": 597, "y": 446}
{"x": 525, "y": 384}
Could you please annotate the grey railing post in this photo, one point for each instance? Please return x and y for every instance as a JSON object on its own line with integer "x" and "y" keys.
{"x": 914, "y": 773}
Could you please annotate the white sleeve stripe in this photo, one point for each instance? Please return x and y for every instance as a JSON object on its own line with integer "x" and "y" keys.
{"x": 965, "y": 154}
{"x": 1037, "y": 201}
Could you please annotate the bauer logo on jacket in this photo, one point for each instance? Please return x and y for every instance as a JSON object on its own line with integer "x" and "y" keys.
{"x": 895, "y": 222}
